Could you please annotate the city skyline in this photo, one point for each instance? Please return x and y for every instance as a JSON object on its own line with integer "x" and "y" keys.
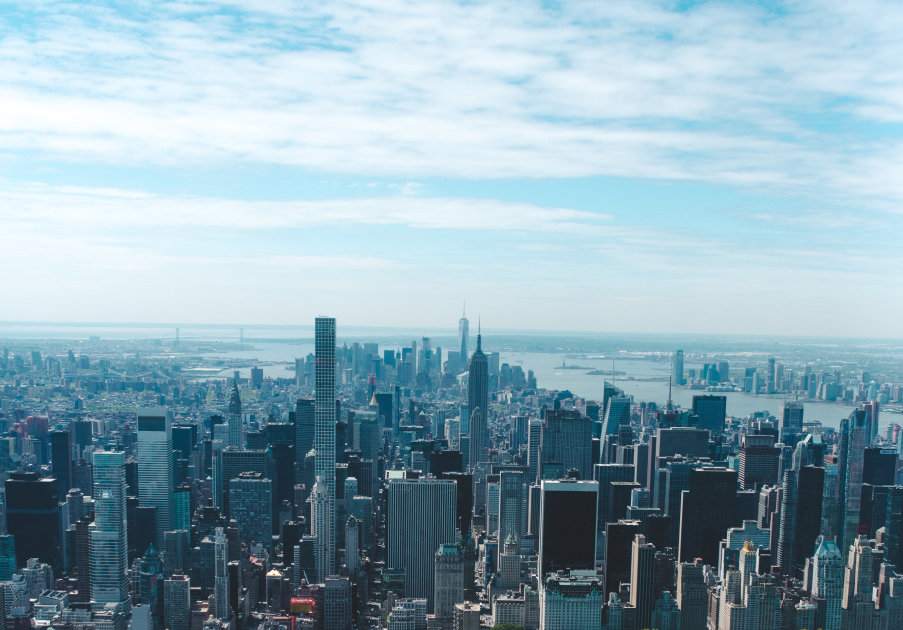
{"x": 724, "y": 157}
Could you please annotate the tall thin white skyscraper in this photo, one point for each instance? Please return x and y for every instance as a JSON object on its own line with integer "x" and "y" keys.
{"x": 320, "y": 519}
{"x": 221, "y": 574}
{"x": 155, "y": 466}
{"x": 463, "y": 330}
{"x": 324, "y": 435}
{"x": 109, "y": 577}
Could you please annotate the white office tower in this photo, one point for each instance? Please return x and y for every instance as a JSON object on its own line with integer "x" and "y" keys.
{"x": 534, "y": 449}
{"x": 324, "y": 440}
{"x": 177, "y": 602}
{"x": 320, "y": 521}
{"x": 155, "y": 472}
{"x": 235, "y": 417}
{"x": 109, "y": 566}
{"x": 858, "y": 608}
{"x": 221, "y": 574}
{"x": 463, "y": 332}
{"x": 449, "y": 581}
{"x": 421, "y": 517}
{"x": 827, "y": 580}
{"x": 352, "y": 544}
{"x": 571, "y": 603}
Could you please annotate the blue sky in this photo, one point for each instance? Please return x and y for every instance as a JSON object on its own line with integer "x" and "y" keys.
{"x": 618, "y": 166}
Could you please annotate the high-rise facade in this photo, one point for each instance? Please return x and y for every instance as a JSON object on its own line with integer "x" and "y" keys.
{"x": 221, "y": 573}
{"x": 463, "y": 332}
{"x": 709, "y": 508}
{"x": 854, "y": 436}
{"x": 642, "y": 580}
{"x": 692, "y": 595}
{"x": 235, "y": 419}
{"x": 33, "y": 518}
{"x": 177, "y": 602}
{"x": 449, "y": 581}
{"x": 568, "y": 439}
{"x": 827, "y": 582}
{"x": 155, "y": 466}
{"x": 251, "y": 505}
{"x": 478, "y": 399}
{"x": 711, "y": 412}
{"x": 109, "y": 577}
{"x": 567, "y": 527}
{"x": 421, "y": 517}
{"x": 677, "y": 367}
{"x": 320, "y": 522}
{"x": 511, "y": 505}
{"x": 758, "y": 461}
{"x": 325, "y": 439}
{"x": 534, "y": 449}
{"x": 790, "y": 421}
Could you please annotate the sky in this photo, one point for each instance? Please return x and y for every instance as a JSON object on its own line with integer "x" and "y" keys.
{"x": 673, "y": 167}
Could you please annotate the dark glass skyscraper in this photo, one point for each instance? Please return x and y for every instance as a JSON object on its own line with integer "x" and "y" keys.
{"x": 711, "y": 411}
{"x": 567, "y": 536}
{"x": 33, "y": 518}
{"x": 709, "y": 509}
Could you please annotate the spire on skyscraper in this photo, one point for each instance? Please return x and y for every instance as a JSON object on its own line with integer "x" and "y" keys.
{"x": 235, "y": 399}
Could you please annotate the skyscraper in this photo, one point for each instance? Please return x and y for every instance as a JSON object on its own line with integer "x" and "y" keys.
{"x": 478, "y": 400}
{"x": 568, "y": 439}
{"x": 109, "y": 578}
{"x": 155, "y": 465}
{"x": 758, "y": 461}
{"x": 677, "y": 367}
{"x": 421, "y": 518}
{"x": 534, "y": 449}
{"x": 511, "y": 505}
{"x": 61, "y": 460}
{"x": 177, "y": 602}
{"x": 449, "y": 581}
{"x": 691, "y": 595}
{"x": 324, "y": 438}
{"x": 709, "y": 509}
{"x": 251, "y": 505}
{"x": 320, "y": 523}
{"x": 235, "y": 417}
{"x": 827, "y": 582}
{"x": 567, "y": 527}
{"x": 854, "y": 432}
{"x": 463, "y": 331}
{"x": 642, "y": 580}
{"x": 221, "y": 574}
{"x": 790, "y": 421}
{"x": 711, "y": 411}
{"x": 33, "y": 518}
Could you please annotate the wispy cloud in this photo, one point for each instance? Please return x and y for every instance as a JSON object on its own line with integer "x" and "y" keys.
{"x": 99, "y": 208}
{"x": 724, "y": 93}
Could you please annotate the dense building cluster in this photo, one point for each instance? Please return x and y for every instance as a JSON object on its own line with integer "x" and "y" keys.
{"x": 408, "y": 490}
